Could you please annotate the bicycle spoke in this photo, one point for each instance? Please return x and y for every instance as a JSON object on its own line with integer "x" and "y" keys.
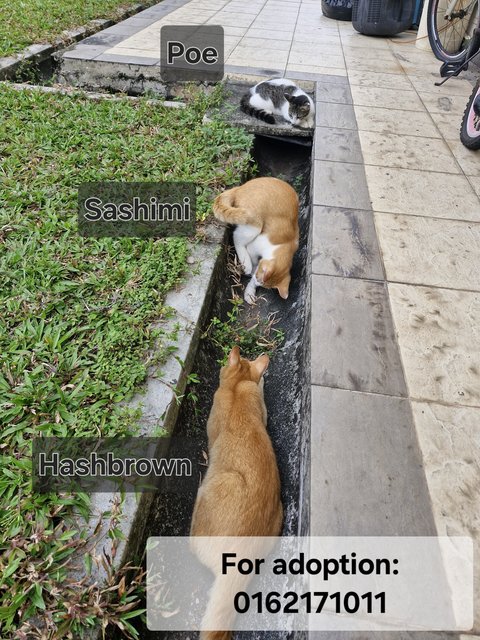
{"x": 450, "y": 33}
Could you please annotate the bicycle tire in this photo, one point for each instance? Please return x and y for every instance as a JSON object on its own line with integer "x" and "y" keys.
{"x": 447, "y": 43}
{"x": 470, "y": 129}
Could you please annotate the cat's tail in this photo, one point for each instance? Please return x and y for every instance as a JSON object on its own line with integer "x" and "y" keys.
{"x": 215, "y": 635}
{"x": 224, "y": 209}
{"x": 220, "y": 612}
{"x": 261, "y": 114}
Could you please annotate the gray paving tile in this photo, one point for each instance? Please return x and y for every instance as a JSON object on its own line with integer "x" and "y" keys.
{"x": 438, "y": 336}
{"x": 341, "y": 116}
{"x": 84, "y": 53}
{"x": 443, "y": 195}
{"x": 430, "y": 251}
{"x": 140, "y": 22}
{"x": 396, "y": 121}
{"x": 353, "y": 338}
{"x": 104, "y": 38}
{"x": 163, "y": 7}
{"x": 126, "y": 28}
{"x": 339, "y": 145}
{"x": 387, "y": 97}
{"x": 340, "y": 184}
{"x": 255, "y": 71}
{"x": 141, "y": 61}
{"x": 345, "y": 244}
{"x": 334, "y": 79}
{"x": 300, "y": 74}
{"x": 407, "y": 152}
{"x": 331, "y": 92}
{"x": 366, "y": 470}
{"x": 468, "y": 160}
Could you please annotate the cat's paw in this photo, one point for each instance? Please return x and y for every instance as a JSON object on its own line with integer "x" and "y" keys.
{"x": 249, "y": 296}
{"x": 247, "y": 266}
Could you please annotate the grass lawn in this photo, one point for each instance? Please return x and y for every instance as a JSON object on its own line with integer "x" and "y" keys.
{"x": 76, "y": 314}
{"x": 25, "y": 22}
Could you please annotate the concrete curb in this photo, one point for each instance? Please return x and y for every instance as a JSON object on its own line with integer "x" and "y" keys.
{"x": 91, "y": 95}
{"x": 159, "y": 401}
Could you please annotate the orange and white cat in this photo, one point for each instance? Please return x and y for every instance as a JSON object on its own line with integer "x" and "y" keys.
{"x": 266, "y": 238}
{"x": 240, "y": 494}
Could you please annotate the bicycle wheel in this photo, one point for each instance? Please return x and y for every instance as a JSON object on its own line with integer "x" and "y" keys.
{"x": 450, "y": 24}
{"x": 470, "y": 129}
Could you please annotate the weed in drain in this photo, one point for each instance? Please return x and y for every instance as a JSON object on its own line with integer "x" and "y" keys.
{"x": 189, "y": 394}
{"x": 255, "y": 337}
{"x": 28, "y": 72}
{"x": 297, "y": 182}
{"x": 253, "y": 334}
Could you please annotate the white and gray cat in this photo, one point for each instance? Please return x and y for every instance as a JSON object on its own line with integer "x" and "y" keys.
{"x": 281, "y": 97}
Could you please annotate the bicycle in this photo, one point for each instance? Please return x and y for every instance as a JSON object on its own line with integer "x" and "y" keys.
{"x": 454, "y": 33}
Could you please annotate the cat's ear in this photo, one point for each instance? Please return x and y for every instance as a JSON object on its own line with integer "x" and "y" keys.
{"x": 234, "y": 357}
{"x": 260, "y": 364}
{"x": 283, "y": 287}
{"x": 265, "y": 270}
{"x": 287, "y": 97}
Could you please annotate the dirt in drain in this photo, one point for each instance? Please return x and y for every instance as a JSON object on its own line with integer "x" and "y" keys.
{"x": 286, "y": 381}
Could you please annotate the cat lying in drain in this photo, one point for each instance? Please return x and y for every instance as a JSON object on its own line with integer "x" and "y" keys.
{"x": 279, "y": 97}
{"x": 240, "y": 493}
{"x": 265, "y": 211}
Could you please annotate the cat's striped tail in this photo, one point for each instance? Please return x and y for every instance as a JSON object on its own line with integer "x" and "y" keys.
{"x": 261, "y": 114}
{"x": 224, "y": 209}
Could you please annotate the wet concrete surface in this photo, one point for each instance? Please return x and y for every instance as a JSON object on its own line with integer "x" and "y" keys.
{"x": 286, "y": 383}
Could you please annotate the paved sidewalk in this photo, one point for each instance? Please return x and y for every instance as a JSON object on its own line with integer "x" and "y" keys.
{"x": 395, "y": 268}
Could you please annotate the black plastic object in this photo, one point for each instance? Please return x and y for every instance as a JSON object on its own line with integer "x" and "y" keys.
{"x": 382, "y": 17}
{"x": 337, "y": 9}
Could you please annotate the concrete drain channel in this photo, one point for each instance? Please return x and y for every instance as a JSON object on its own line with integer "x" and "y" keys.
{"x": 286, "y": 382}
{"x": 287, "y": 385}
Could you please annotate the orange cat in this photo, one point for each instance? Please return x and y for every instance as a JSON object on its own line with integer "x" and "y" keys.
{"x": 266, "y": 212}
{"x": 240, "y": 494}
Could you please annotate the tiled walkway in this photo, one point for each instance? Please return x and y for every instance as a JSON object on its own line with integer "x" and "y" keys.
{"x": 395, "y": 269}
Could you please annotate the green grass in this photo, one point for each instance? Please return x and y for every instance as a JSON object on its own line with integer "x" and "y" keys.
{"x": 75, "y": 332}
{"x": 25, "y": 22}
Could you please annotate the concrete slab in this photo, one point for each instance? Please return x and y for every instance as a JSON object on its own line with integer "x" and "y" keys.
{"x": 450, "y": 445}
{"x": 430, "y": 251}
{"x": 389, "y": 98}
{"x": 396, "y": 121}
{"x": 340, "y": 184}
{"x": 425, "y": 193}
{"x": 365, "y": 464}
{"x": 338, "y": 145}
{"x": 407, "y": 152}
{"x": 438, "y": 336}
{"x": 353, "y": 339}
{"x": 339, "y": 116}
{"x": 329, "y": 92}
{"x": 344, "y": 243}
